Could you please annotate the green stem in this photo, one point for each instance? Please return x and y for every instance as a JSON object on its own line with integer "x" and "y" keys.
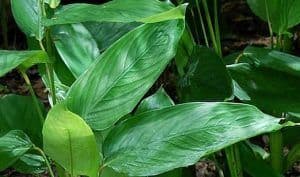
{"x": 233, "y": 160}
{"x": 46, "y": 160}
{"x": 269, "y": 24}
{"x": 202, "y": 24}
{"x": 33, "y": 95}
{"x": 276, "y": 150}
{"x": 210, "y": 27}
{"x": 217, "y": 28}
{"x": 50, "y": 52}
{"x": 194, "y": 21}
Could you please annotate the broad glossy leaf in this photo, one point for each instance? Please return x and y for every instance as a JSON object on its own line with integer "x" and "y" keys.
{"x": 133, "y": 64}
{"x": 76, "y": 47}
{"x": 159, "y": 99}
{"x": 272, "y": 91}
{"x": 30, "y": 164}
{"x": 160, "y": 140}
{"x": 13, "y": 145}
{"x": 24, "y": 59}
{"x": 255, "y": 166}
{"x": 125, "y": 11}
{"x": 106, "y": 33}
{"x": 70, "y": 142}
{"x": 273, "y": 59}
{"x": 19, "y": 113}
{"x": 283, "y": 14}
{"x": 28, "y": 16}
{"x": 207, "y": 78}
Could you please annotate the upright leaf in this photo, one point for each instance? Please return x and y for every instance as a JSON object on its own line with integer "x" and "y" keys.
{"x": 106, "y": 33}
{"x": 159, "y": 99}
{"x": 157, "y": 141}
{"x": 283, "y": 14}
{"x": 19, "y": 113}
{"x": 13, "y": 145}
{"x": 24, "y": 59}
{"x": 207, "y": 78}
{"x": 124, "y": 11}
{"x": 70, "y": 142}
{"x": 28, "y": 15}
{"x": 76, "y": 47}
{"x": 119, "y": 78}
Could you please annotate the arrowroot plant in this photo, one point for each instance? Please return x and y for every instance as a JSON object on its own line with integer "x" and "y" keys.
{"x": 99, "y": 61}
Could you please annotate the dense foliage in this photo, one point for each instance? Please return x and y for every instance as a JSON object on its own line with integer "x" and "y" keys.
{"x": 98, "y": 62}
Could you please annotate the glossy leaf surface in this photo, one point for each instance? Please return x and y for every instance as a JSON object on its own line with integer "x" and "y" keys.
{"x": 24, "y": 59}
{"x": 76, "y": 47}
{"x": 70, "y": 142}
{"x": 106, "y": 33}
{"x": 270, "y": 90}
{"x": 118, "y": 11}
{"x": 19, "y": 113}
{"x": 30, "y": 164}
{"x": 119, "y": 78}
{"x": 13, "y": 145}
{"x": 28, "y": 15}
{"x": 160, "y": 140}
{"x": 283, "y": 14}
{"x": 207, "y": 78}
{"x": 159, "y": 99}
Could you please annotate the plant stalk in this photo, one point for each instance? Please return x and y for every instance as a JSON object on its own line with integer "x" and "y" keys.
{"x": 217, "y": 28}
{"x": 33, "y": 95}
{"x": 269, "y": 25}
{"x": 233, "y": 160}
{"x": 202, "y": 24}
{"x": 46, "y": 160}
{"x": 50, "y": 52}
{"x": 276, "y": 151}
{"x": 210, "y": 27}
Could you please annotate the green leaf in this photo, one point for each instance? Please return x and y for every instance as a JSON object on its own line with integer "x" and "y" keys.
{"x": 124, "y": 11}
{"x": 30, "y": 164}
{"x": 108, "y": 172}
{"x": 272, "y": 91}
{"x": 76, "y": 47}
{"x": 273, "y": 59}
{"x": 23, "y": 59}
{"x": 28, "y": 15}
{"x": 70, "y": 142}
{"x": 207, "y": 78}
{"x": 106, "y": 33}
{"x": 253, "y": 165}
{"x": 13, "y": 145}
{"x": 184, "y": 51}
{"x": 53, "y": 3}
{"x": 283, "y": 14}
{"x": 158, "y": 100}
{"x": 133, "y": 64}
{"x": 160, "y": 140}
{"x": 19, "y": 113}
